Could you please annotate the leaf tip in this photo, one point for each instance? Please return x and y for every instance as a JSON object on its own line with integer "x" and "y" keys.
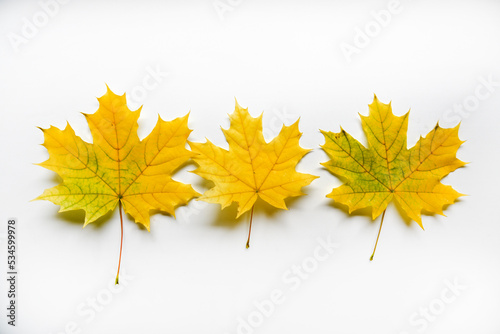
{"x": 36, "y": 199}
{"x": 237, "y": 105}
{"x": 419, "y": 222}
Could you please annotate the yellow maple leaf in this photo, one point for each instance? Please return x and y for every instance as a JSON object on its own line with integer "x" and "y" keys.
{"x": 387, "y": 170}
{"x": 118, "y": 168}
{"x": 252, "y": 168}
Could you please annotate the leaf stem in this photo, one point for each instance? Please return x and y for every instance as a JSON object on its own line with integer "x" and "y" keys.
{"x": 250, "y": 229}
{"x": 121, "y": 241}
{"x": 376, "y": 242}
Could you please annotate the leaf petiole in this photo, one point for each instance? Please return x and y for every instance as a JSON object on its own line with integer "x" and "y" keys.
{"x": 250, "y": 229}
{"x": 380, "y": 229}
{"x": 121, "y": 241}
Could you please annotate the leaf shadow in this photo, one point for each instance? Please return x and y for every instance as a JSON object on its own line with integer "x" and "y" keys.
{"x": 432, "y": 214}
{"x": 203, "y": 184}
{"x": 184, "y": 165}
{"x": 77, "y": 217}
{"x": 271, "y": 211}
{"x": 227, "y": 217}
{"x": 364, "y": 212}
{"x": 367, "y": 212}
{"x": 153, "y": 215}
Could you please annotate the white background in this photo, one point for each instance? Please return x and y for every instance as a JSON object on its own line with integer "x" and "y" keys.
{"x": 193, "y": 274}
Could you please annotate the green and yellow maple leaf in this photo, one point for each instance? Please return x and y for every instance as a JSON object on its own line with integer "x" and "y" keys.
{"x": 118, "y": 168}
{"x": 252, "y": 168}
{"x": 388, "y": 170}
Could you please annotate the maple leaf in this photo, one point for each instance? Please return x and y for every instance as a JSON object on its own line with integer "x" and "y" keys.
{"x": 252, "y": 168}
{"x": 118, "y": 168}
{"x": 387, "y": 170}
